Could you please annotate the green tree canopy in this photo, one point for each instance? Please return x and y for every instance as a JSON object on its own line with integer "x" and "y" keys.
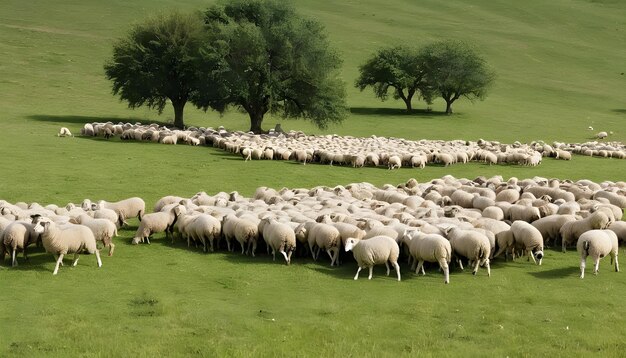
{"x": 455, "y": 70}
{"x": 263, "y": 57}
{"x": 398, "y": 68}
{"x": 157, "y": 61}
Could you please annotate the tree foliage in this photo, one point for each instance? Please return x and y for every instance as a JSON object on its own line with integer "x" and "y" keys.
{"x": 263, "y": 57}
{"x": 398, "y": 68}
{"x": 156, "y": 61}
{"x": 455, "y": 70}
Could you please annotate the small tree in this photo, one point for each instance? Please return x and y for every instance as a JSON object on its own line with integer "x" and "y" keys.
{"x": 157, "y": 61}
{"x": 263, "y": 57}
{"x": 455, "y": 70}
{"x": 399, "y": 68}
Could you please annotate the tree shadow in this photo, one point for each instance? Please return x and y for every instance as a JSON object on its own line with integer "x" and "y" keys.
{"x": 395, "y": 112}
{"x": 619, "y": 110}
{"x": 71, "y": 119}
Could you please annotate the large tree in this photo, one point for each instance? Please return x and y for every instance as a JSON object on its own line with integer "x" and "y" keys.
{"x": 398, "y": 68}
{"x": 158, "y": 61}
{"x": 455, "y": 70}
{"x": 262, "y": 57}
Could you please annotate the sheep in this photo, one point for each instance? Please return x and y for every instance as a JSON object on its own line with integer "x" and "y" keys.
{"x": 601, "y": 135}
{"x": 473, "y": 245}
{"x": 107, "y": 214}
{"x": 204, "y": 228}
{"x": 374, "y": 251}
{"x": 550, "y": 226}
{"x": 63, "y": 132}
{"x": 243, "y": 230}
{"x": 619, "y": 228}
{"x": 529, "y": 239}
{"x": 103, "y": 229}
{"x": 394, "y": 162}
{"x": 572, "y": 230}
{"x": 522, "y": 212}
{"x": 125, "y": 209}
{"x": 16, "y": 236}
{"x": 430, "y": 248}
{"x": 323, "y": 236}
{"x": 597, "y": 244}
{"x": 278, "y": 237}
{"x": 157, "y": 222}
{"x": 62, "y": 241}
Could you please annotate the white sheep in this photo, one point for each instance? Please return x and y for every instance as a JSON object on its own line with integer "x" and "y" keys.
{"x": 126, "y": 209}
{"x": 245, "y": 231}
{"x": 64, "y": 132}
{"x": 62, "y": 241}
{"x": 278, "y": 237}
{"x": 529, "y": 239}
{"x": 602, "y": 135}
{"x": 597, "y": 244}
{"x": 16, "y": 236}
{"x": 473, "y": 245}
{"x": 429, "y": 248}
{"x": 157, "y": 222}
{"x": 205, "y": 228}
{"x": 103, "y": 230}
{"x": 619, "y": 228}
{"x": 394, "y": 162}
{"x": 571, "y": 231}
{"x": 550, "y": 226}
{"x": 374, "y": 251}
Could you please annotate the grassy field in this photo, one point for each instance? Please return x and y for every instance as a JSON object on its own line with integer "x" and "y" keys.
{"x": 559, "y": 66}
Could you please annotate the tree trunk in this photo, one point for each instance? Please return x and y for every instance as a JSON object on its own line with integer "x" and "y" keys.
{"x": 448, "y": 106}
{"x": 179, "y": 107}
{"x": 255, "y": 122}
{"x": 406, "y": 99}
{"x": 407, "y": 102}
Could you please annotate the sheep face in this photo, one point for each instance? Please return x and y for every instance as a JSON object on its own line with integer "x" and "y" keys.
{"x": 538, "y": 256}
{"x": 350, "y": 244}
{"x": 41, "y": 224}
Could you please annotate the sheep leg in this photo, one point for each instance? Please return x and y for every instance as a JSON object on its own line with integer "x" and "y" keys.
{"x": 596, "y": 265}
{"x": 395, "y": 264}
{"x": 487, "y": 264}
{"x": 413, "y": 265}
{"x": 289, "y": 257}
{"x": 228, "y": 245}
{"x": 371, "y": 270}
{"x": 59, "y": 262}
{"x": 531, "y": 256}
{"x": 111, "y": 248}
{"x": 332, "y": 258}
{"x": 56, "y": 258}
{"x": 75, "y": 259}
{"x": 582, "y": 266}
{"x": 285, "y": 256}
{"x": 253, "y": 248}
{"x": 13, "y": 259}
{"x": 243, "y": 251}
{"x": 356, "y": 277}
{"x": 273, "y": 255}
{"x": 98, "y": 260}
{"x": 616, "y": 264}
{"x": 387, "y": 266}
{"x": 446, "y": 270}
{"x": 476, "y": 264}
{"x": 148, "y": 239}
{"x": 460, "y": 262}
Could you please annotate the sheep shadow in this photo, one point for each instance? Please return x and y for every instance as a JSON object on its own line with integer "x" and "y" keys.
{"x": 619, "y": 110}
{"x": 38, "y": 260}
{"x": 419, "y": 112}
{"x": 557, "y": 273}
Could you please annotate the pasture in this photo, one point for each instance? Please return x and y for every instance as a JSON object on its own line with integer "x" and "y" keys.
{"x": 560, "y": 69}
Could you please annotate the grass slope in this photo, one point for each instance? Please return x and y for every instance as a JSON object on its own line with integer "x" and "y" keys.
{"x": 559, "y": 66}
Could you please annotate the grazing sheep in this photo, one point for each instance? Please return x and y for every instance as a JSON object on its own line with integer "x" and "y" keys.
{"x": 597, "y": 244}
{"x": 524, "y": 213}
{"x": 62, "y": 241}
{"x": 529, "y": 239}
{"x": 64, "y": 132}
{"x": 244, "y": 231}
{"x": 571, "y": 231}
{"x": 107, "y": 214}
{"x": 429, "y": 248}
{"x": 324, "y": 237}
{"x": 166, "y": 200}
{"x": 619, "y": 228}
{"x": 374, "y": 251}
{"x": 157, "y": 222}
{"x": 550, "y": 226}
{"x": 204, "y": 228}
{"x": 16, "y": 236}
{"x": 126, "y": 209}
{"x": 394, "y": 162}
{"x": 278, "y": 237}
{"x": 601, "y": 135}
{"x": 472, "y": 245}
{"x": 103, "y": 229}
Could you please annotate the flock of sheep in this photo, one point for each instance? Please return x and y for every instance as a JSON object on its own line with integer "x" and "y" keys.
{"x": 442, "y": 221}
{"x": 392, "y": 153}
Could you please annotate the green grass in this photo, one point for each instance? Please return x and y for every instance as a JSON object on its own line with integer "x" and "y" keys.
{"x": 559, "y": 68}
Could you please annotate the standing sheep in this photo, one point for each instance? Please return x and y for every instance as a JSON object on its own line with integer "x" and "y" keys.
{"x": 62, "y": 241}
{"x": 125, "y": 209}
{"x": 472, "y": 245}
{"x": 429, "y": 248}
{"x": 157, "y": 222}
{"x": 374, "y": 251}
{"x": 572, "y": 230}
{"x": 242, "y": 230}
{"x": 597, "y": 244}
{"x": 278, "y": 237}
{"x": 16, "y": 236}
{"x": 103, "y": 229}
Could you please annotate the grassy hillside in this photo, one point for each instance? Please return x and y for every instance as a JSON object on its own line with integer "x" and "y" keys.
{"x": 559, "y": 66}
